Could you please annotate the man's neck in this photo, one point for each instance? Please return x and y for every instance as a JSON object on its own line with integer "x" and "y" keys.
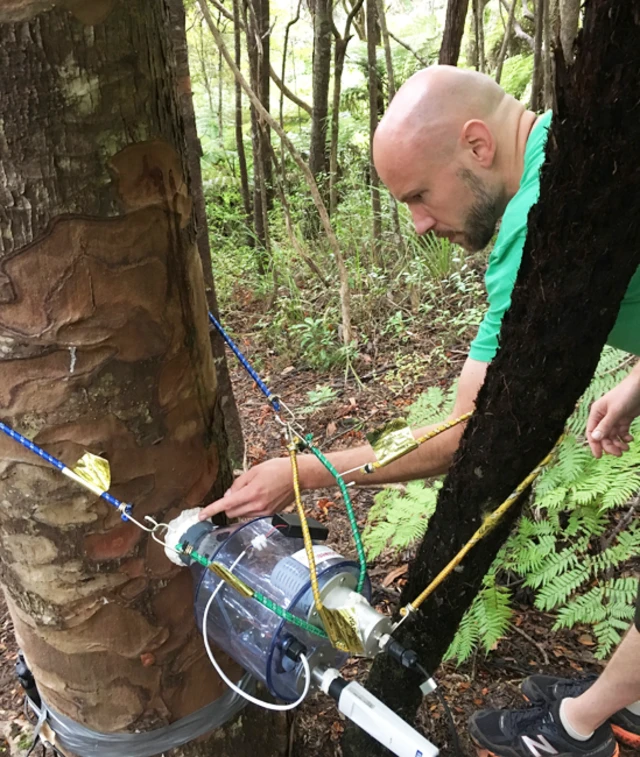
{"x": 516, "y": 127}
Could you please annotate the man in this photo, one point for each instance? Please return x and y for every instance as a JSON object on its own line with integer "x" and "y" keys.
{"x": 462, "y": 154}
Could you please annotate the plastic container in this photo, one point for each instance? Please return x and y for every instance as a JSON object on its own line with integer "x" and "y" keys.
{"x": 276, "y": 566}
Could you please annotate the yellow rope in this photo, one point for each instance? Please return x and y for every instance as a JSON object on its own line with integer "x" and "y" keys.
{"x": 308, "y": 544}
{"x": 370, "y": 467}
{"x": 443, "y": 427}
{"x": 488, "y": 525}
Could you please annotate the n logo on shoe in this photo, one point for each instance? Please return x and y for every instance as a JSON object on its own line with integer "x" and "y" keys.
{"x": 538, "y": 746}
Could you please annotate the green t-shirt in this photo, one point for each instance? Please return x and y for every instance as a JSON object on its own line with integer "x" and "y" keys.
{"x": 505, "y": 258}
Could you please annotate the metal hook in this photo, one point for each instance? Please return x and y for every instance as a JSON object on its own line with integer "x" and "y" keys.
{"x": 128, "y": 517}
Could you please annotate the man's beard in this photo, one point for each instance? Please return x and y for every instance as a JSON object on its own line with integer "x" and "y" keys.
{"x": 482, "y": 216}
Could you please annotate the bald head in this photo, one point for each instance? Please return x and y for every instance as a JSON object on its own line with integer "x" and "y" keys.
{"x": 432, "y": 106}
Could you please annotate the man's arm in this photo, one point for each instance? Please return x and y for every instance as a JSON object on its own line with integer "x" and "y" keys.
{"x": 267, "y": 487}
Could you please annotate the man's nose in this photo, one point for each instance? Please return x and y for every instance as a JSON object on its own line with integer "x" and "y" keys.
{"x": 422, "y": 221}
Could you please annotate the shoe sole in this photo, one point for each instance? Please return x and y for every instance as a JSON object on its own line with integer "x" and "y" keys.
{"x": 630, "y": 739}
{"x": 484, "y": 752}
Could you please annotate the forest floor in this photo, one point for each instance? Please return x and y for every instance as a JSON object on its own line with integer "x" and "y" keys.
{"x": 491, "y": 680}
{"x": 485, "y": 681}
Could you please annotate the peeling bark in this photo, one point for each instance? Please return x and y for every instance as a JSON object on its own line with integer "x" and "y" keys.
{"x": 104, "y": 346}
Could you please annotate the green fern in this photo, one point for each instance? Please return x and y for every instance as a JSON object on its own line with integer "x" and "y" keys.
{"x": 484, "y": 623}
{"x": 431, "y": 406}
{"x": 399, "y": 518}
{"x": 561, "y": 546}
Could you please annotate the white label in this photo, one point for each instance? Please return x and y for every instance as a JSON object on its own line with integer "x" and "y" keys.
{"x": 321, "y": 554}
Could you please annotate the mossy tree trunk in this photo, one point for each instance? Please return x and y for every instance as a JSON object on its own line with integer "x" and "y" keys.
{"x": 581, "y": 251}
{"x": 105, "y": 347}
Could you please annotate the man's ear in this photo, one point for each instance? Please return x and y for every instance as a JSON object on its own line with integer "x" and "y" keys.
{"x": 478, "y": 139}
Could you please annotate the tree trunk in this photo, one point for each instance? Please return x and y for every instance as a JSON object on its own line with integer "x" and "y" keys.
{"x": 103, "y": 322}
{"x": 232, "y": 426}
{"x": 322, "y": 10}
{"x": 340, "y": 54}
{"x": 538, "y": 73}
{"x": 478, "y": 27}
{"x": 453, "y": 32}
{"x": 505, "y": 41}
{"x": 388, "y": 58}
{"x": 547, "y": 60}
{"x": 242, "y": 158}
{"x": 569, "y": 20}
{"x": 374, "y": 180}
{"x": 257, "y": 28}
{"x": 285, "y": 48}
{"x": 575, "y": 270}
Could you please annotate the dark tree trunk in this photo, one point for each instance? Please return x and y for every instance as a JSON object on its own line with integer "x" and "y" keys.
{"x": 232, "y": 426}
{"x": 578, "y": 259}
{"x": 374, "y": 91}
{"x": 103, "y": 322}
{"x": 453, "y": 32}
{"x": 322, "y": 10}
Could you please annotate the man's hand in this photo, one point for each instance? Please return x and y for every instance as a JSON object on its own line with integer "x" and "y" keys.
{"x": 610, "y": 417}
{"x": 263, "y": 490}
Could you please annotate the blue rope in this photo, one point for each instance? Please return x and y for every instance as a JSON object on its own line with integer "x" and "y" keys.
{"x": 124, "y": 509}
{"x": 232, "y": 346}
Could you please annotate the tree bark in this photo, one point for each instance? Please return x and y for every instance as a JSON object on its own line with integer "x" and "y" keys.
{"x": 505, "y": 41}
{"x": 339, "y": 57}
{"x": 257, "y": 28}
{"x": 478, "y": 28}
{"x": 232, "y": 426}
{"x": 453, "y": 32}
{"x": 538, "y": 72}
{"x": 322, "y": 10}
{"x": 547, "y": 59}
{"x": 373, "y": 86}
{"x": 105, "y": 347}
{"x": 239, "y": 131}
{"x": 569, "y": 20}
{"x": 575, "y": 270}
{"x": 388, "y": 58}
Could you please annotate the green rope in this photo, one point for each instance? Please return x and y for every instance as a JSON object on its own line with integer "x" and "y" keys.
{"x": 265, "y": 601}
{"x": 282, "y": 613}
{"x": 349, "y": 507}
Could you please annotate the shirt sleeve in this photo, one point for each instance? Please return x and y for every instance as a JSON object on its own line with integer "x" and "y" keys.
{"x": 500, "y": 279}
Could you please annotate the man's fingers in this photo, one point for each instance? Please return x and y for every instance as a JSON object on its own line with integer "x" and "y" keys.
{"x": 228, "y": 502}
